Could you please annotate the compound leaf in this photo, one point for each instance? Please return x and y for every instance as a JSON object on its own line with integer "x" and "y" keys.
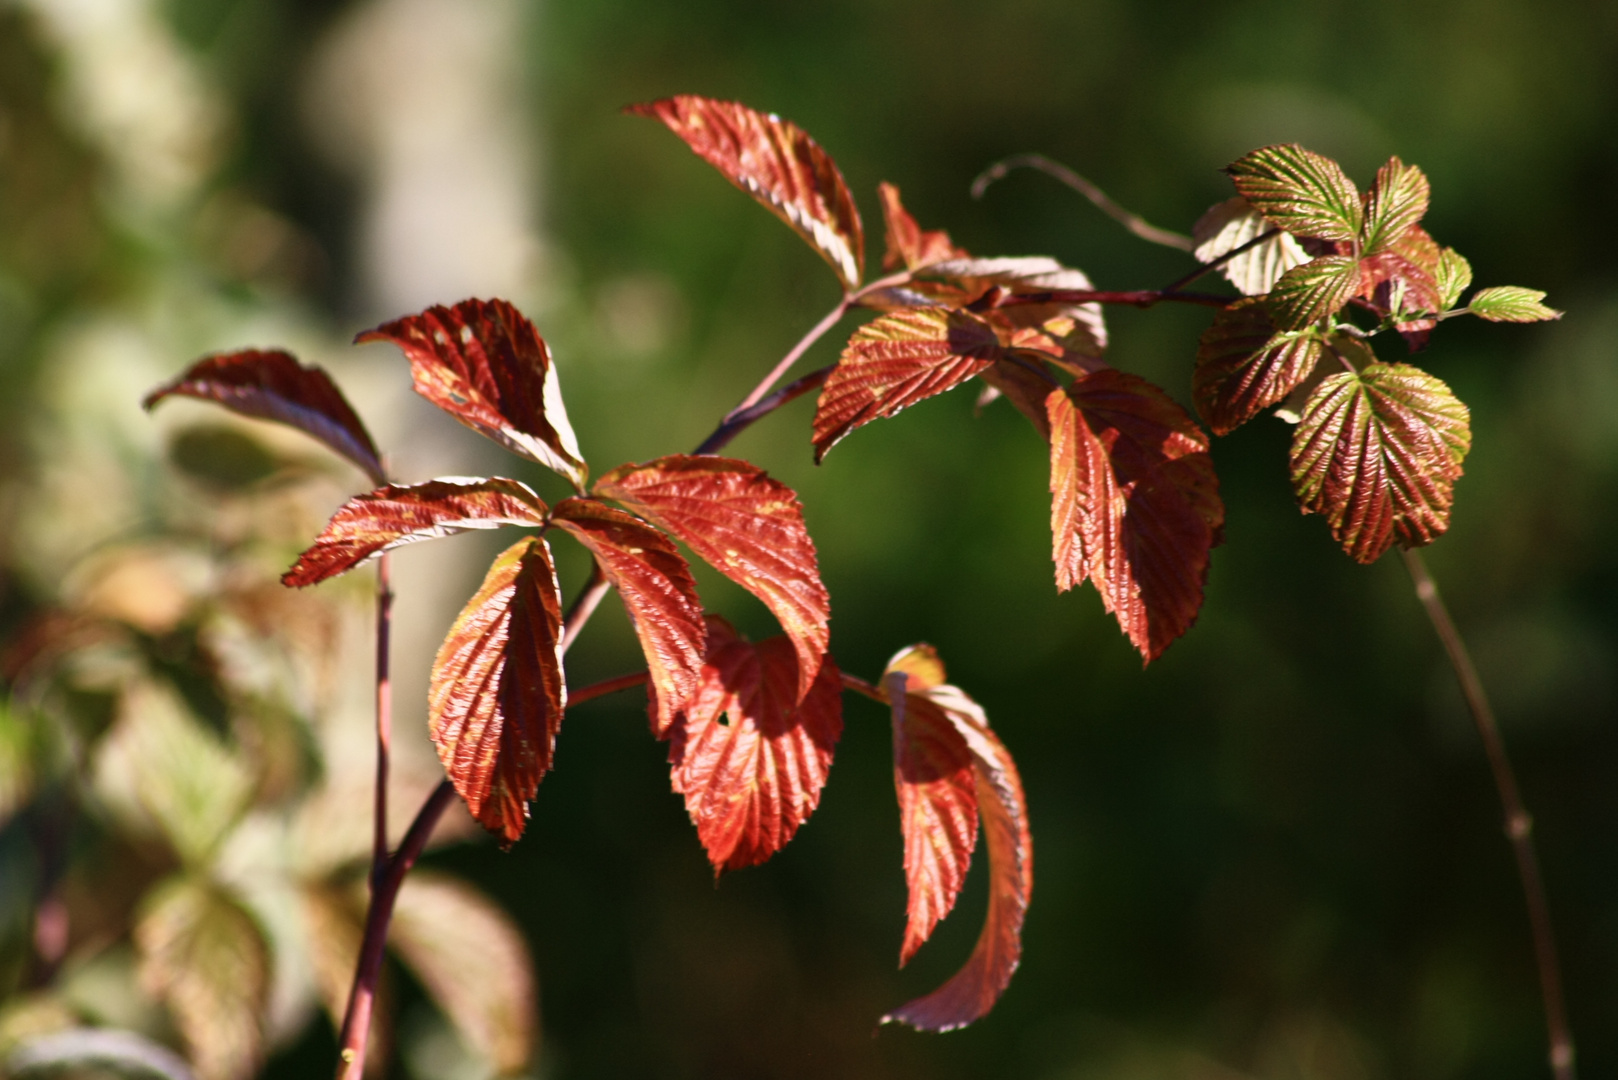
{"x": 1245, "y": 365}
{"x": 907, "y": 245}
{"x": 497, "y": 694}
{"x": 778, "y": 164}
{"x": 1314, "y": 291}
{"x": 1397, "y": 200}
{"x": 1234, "y": 222}
{"x": 1511, "y": 303}
{"x": 1303, "y": 192}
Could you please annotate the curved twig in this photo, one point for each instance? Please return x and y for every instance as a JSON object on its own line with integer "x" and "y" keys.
{"x": 1131, "y": 221}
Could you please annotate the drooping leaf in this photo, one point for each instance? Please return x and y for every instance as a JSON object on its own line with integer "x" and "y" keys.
{"x": 1134, "y": 503}
{"x": 746, "y": 525}
{"x": 752, "y": 778}
{"x": 473, "y": 961}
{"x": 1314, "y": 291}
{"x": 897, "y": 360}
{"x": 1453, "y": 278}
{"x": 1378, "y": 452}
{"x": 1511, "y": 303}
{"x": 658, "y": 592}
{"x": 272, "y": 385}
{"x": 1245, "y": 365}
{"x": 205, "y": 958}
{"x": 973, "y": 990}
{"x": 400, "y": 514}
{"x": 778, "y": 164}
{"x": 1234, "y": 222}
{"x": 920, "y": 664}
{"x": 1303, "y": 192}
{"x": 483, "y": 362}
{"x": 907, "y": 245}
{"x": 1026, "y": 386}
{"x": 497, "y": 694}
{"x": 1397, "y": 200}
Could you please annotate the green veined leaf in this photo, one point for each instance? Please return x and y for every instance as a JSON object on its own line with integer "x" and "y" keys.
{"x": 1234, "y": 222}
{"x": 1301, "y": 191}
{"x": 1316, "y": 290}
{"x": 1397, "y": 200}
{"x": 1454, "y": 276}
{"x": 1245, "y": 365}
{"x": 1511, "y": 303}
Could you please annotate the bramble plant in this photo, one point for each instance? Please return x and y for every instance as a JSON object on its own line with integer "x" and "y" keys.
{"x": 1321, "y": 271}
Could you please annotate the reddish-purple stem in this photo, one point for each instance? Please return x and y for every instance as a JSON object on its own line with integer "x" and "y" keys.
{"x": 384, "y": 717}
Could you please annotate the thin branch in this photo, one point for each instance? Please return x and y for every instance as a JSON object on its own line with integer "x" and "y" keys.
{"x": 1519, "y": 825}
{"x": 584, "y": 605}
{"x": 1133, "y": 222}
{"x": 384, "y": 717}
{"x": 740, "y": 419}
{"x": 1141, "y": 298}
{"x": 607, "y": 686}
{"x": 860, "y": 686}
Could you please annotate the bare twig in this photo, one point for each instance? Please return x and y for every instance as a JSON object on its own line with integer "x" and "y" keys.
{"x": 584, "y": 605}
{"x": 1131, "y": 221}
{"x": 1141, "y": 298}
{"x": 1519, "y": 826}
{"x": 384, "y": 717}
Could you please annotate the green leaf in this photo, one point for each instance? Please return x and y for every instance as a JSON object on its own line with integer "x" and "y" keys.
{"x": 1301, "y": 191}
{"x": 1314, "y": 291}
{"x": 1454, "y": 276}
{"x": 1396, "y": 201}
{"x": 1511, "y": 303}
{"x": 1245, "y": 365}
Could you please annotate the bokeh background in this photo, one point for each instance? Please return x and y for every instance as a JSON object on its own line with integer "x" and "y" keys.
{"x": 1275, "y": 853}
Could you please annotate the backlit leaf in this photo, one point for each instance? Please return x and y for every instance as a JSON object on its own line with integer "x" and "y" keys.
{"x": 897, "y": 360}
{"x": 1301, "y": 191}
{"x": 1378, "y": 452}
{"x": 1402, "y": 283}
{"x": 272, "y": 385}
{"x": 973, "y": 990}
{"x": 1397, "y": 200}
{"x": 1022, "y": 275}
{"x": 658, "y": 592}
{"x": 497, "y": 695}
{"x": 398, "y": 514}
{"x": 907, "y": 245}
{"x": 1026, "y": 386}
{"x": 746, "y": 525}
{"x": 1234, "y": 222}
{"x": 1134, "y": 503}
{"x": 483, "y": 362}
{"x": 778, "y": 164}
{"x": 1244, "y": 364}
{"x": 751, "y": 757}
{"x": 1453, "y": 278}
{"x": 920, "y": 664}
{"x": 205, "y": 958}
{"x": 1314, "y": 291}
{"x": 1511, "y": 303}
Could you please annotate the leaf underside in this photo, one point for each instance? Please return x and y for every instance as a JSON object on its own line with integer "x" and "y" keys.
{"x": 1232, "y": 223}
{"x": 1245, "y": 365}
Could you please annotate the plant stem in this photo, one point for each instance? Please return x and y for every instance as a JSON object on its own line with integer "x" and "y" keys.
{"x": 1141, "y": 298}
{"x": 584, "y": 606}
{"x": 741, "y": 418}
{"x": 1214, "y": 264}
{"x": 1133, "y": 222}
{"x": 384, "y": 717}
{"x": 607, "y": 686}
{"x": 1519, "y": 825}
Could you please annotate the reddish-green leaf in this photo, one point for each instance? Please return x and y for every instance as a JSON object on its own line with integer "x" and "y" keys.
{"x": 658, "y": 592}
{"x": 483, "y": 362}
{"x": 1134, "y": 503}
{"x": 998, "y": 795}
{"x": 1511, "y": 303}
{"x": 1378, "y": 452}
{"x": 897, "y": 360}
{"x": 1027, "y": 275}
{"x": 907, "y": 245}
{"x": 497, "y": 694}
{"x": 1453, "y": 277}
{"x": 1397, "y": 200}
{"x": 746, "y": 525}
{"x": 272, "y": 385}
{"x": 1234, "y": 222}
{"x": 1402, "y": 282}
{"x": 778, "y": 164}
{"x": 1301, "y": 191}
{"x": 399, "y": 514}
{"x": 751, "y": 757}
{"x": 1244, "y": 364}
{"x": 1314, "y": 291}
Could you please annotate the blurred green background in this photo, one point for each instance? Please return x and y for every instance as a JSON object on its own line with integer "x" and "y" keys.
{"x": 1274, "y": 853}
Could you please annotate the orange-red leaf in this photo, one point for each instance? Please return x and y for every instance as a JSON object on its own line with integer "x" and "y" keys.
{"x": 497, "y": 693}
{"x": 748, "y": 526}
{"x": 483, "y": 362}
{"x": 778, "y": 164}
{"x": 272, "y": 385}
{"x": 907, "y": 245}
{"x": 897, "y": 360}
{"x": 752, "y": 778}
{"x": 954, "y": 725}
{"x": 1245, "y": 364}
{"x": 1403, "y": 281}
{"x": 655, "y": 584}
{"x": 1084, "y": 330}
{"x": 1135, "y": 503}
{"x": 397, "y": 514}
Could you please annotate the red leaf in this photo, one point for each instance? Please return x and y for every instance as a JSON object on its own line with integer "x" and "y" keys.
{"x": 778, "y": 164}
{"x": 908, "y": 245}
{"x": 998, "y": 796}
{"x": 897, "y": 360}
{"x": 1404, "y": 280}
{"x": 272, "y": 385}
{"x": 483, "y": 362}
{"x": 1083, "y": 328}
{"x": 497, "y": 694}
{"x": 655, "y": 584}
{"x": 397, "y": 514}
{"x": 1135, "y": 503}
{"x": 1245, "y": 364}
{"x": 746, "y": 525}
{"x": 749, "y": 783}
{"x": 1026, "y": 387}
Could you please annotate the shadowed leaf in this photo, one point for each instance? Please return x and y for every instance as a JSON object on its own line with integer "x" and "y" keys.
{"x": 1234, "y": 222}
{"x": 1378, "y": 452}
{"x": 497, "y": 695}
{"x": 1244, "y": 364}
{"x": 1301, "y": 191}
{"x": 1316, "y": 290}
{"x": 907, "y": 245}
{"x": 752, "y": 778}
{"x": 272, "y": 385}
{"x": 1511, "y": 303}
{"x": 396, "y": 515}
{"x": 483, "y": 362}
{"x": 1026, "y": 275}
{"x": 1026, "y": 386}
{"x": 657, "y": 590}
{"x": 778, "y": 164}
{"x": 746, "y": 525}
{"x": 1397, "y": 200}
